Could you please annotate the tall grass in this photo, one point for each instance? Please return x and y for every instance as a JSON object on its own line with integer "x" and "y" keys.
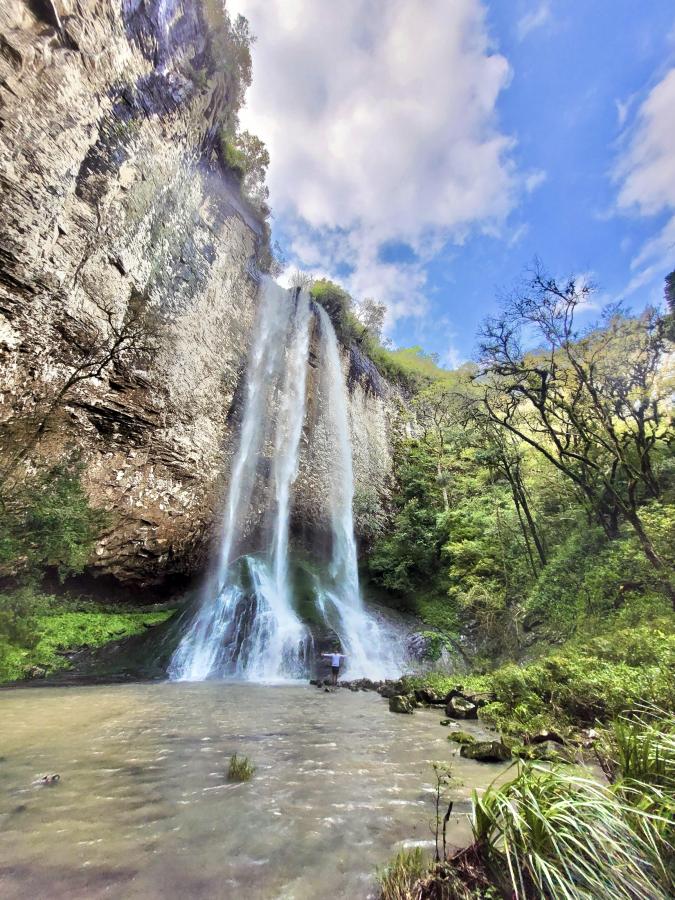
{"x": 565, "y": 836}
{"x": 399, "y": 879}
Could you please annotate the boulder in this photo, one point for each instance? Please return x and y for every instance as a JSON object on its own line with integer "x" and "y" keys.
{"x": 486, "y": 751}
{"x": 401, "y": 703}
{"x": 462, "y": 737}
{"x": 548, "y": 751}
{"x": 545, "y": 736}
{"x": 460, "y": 708}
{"x": 428, "y": 696}
{"x": 390, "y": 689}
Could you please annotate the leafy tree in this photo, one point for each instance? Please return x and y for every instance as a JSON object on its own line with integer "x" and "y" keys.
{"x": 48, "y": 522}
{"x": 669, "y": 294}
{"x": 372, "y": 314}
{"x": 590, "y": 404}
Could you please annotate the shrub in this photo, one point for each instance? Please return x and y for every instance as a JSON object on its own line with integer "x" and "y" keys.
{"x": 48, "y": 521}
{"x": 241, "y": 768}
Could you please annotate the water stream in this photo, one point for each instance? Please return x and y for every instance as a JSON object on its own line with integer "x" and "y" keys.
{"x": 144, "y": 810}
{"x": 247, "y": 624}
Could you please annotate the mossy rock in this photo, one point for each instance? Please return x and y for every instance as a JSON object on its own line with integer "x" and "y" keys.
{"x": 400, "y": 703}
{"x": 460, "y": 708}
{"x": 486, "y": 751}
{"x": 462, "y": 737}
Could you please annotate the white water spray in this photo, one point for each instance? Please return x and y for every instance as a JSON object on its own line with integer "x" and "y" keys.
{"x": 370, "y": 651}
{"x": 246, "y": 625}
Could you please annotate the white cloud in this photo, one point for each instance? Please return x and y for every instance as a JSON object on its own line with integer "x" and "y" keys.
{"x": 646, "y": 176}
{"x": 533, "y": 180}
{"x": 535, "y": 18}
{"x": 380, "y": 119}
{"x": 622, "y": 112}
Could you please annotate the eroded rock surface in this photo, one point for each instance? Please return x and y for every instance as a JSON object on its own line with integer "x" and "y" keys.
{"x": 114, "y": 200}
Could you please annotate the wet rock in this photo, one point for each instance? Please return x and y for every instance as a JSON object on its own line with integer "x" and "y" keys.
{"x": 459, "y": 707}
{"x": 400, "y": 703}
{"x": 391, "y": 689}
{"x": 426, "y": 695}
{"x": 462, "y": 737}
{"x": 35, "y": 672}
{"x": 548, "y": 751}
{"x": 486, "y": 751}
{"x": 49, "y": 780}
{"x": 546, "y": 736}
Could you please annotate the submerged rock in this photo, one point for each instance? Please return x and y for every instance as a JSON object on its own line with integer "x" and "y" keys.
{"x": 400, "y": 703}
{"x": 462, "y": 737}
{"x": 486, "y": 751}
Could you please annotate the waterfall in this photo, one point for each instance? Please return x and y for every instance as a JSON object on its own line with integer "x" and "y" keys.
{"x": 246, "y": 625}
{"x": 371, "y": 652}
{"x": 205, "y": 643}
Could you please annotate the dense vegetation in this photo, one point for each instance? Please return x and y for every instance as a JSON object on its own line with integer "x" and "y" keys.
{"x": 534, "y": 512}
{"x": 554, "y": 832}
{"x": 48, "y": 525}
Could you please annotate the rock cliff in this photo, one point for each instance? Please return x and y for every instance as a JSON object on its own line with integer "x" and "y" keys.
{"x": 127, "y": 273}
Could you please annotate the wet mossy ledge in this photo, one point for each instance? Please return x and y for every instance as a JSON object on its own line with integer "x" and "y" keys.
{"x": 64, "y": 631}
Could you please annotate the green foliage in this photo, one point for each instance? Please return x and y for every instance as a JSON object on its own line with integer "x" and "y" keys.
{"x": 47, "y": 521}
{"x": 550, "y": 833}
{"x": 399, "y": 877}
{"x": 37, "y": 629}
{"x": 240, "y": 769}
{"x": 338, "y": 304}
{"x": 669, "y": 294}
{"x": 233, "y": 157}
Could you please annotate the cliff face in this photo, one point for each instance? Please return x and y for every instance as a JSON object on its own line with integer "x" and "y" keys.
{"x": 116, "y": 214}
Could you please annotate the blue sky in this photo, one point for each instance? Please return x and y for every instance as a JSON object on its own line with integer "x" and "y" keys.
{"x": 424, "y": 152}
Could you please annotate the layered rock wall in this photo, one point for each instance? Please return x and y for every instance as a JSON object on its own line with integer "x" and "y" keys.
{"x": 115, "y": 208}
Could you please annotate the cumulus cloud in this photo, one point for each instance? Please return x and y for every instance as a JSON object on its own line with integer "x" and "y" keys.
{"x": 380, "y": 120}
{"x": 646, "y": 177}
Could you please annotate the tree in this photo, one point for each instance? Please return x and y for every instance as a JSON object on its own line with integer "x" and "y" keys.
{"x": 589, "y": 403}
{"x": 434, "y": 413}
{"x": 372, "y": 314}
{"x": 669, "y": 294}
{"x": 95, "y": 345}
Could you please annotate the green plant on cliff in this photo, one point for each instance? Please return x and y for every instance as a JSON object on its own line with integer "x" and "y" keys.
{"x": 48, "y": 522}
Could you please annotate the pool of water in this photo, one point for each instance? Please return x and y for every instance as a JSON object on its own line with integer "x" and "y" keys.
{"x": 143, "y": 808}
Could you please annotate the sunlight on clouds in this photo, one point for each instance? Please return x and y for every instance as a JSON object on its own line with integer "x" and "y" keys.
{"x": 646, "y": 172}
{"x": 381, "y": 126}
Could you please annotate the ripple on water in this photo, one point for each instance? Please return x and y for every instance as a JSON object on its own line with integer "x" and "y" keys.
{"x": 139, "y": 811}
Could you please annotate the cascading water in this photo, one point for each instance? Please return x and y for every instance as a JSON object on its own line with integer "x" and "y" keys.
{"x": 246, "y": 625}
{"x": 370, "y": 651}
{"x": 215, "y": 640}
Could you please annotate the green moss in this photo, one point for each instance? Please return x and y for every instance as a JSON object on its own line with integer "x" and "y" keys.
{"x": 461, "y": 737}
{"x": 56, "y": 632}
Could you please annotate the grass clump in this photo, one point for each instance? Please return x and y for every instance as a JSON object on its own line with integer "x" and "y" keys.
{"x": 398, "y": 879}
{"x": 241, "y": 768}
{"x": 555, "y": 832}
{"x": 562, "y": 835}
